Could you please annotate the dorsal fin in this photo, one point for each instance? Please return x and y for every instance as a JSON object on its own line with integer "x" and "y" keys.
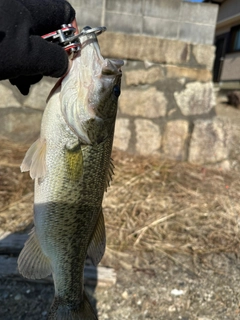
{"x": 97, "y": 245}
{"x": 109, "y": 175}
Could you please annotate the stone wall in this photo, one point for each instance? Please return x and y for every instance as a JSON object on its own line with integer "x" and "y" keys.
{"x": 167, "y": 101}
{"x": 166, "y": 106}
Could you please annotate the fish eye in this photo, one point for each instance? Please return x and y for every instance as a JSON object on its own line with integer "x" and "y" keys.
{"x": 116, "y": 91}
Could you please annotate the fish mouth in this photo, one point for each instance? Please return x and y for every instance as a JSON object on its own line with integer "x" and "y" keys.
{"x": 112, "y": 67}
{"x": 90, "y": 92}
{"x": 109, "y": 67}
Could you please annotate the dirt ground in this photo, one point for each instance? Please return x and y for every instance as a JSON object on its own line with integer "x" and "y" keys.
{"x": 164, "y": 290}
{"x": 172, "y": 237}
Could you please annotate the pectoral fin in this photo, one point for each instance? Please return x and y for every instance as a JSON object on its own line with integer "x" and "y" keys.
{"x": 97, "y": 245}
{"x": 35, "y": 160}
{"x": 32, "y": 263}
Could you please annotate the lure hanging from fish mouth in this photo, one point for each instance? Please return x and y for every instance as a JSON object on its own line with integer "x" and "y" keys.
{"x": 86, "y": 30}
{"x": 67, "y": 38}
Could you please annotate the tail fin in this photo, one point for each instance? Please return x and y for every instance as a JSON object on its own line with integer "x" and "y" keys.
{"x": 63, "y": 310}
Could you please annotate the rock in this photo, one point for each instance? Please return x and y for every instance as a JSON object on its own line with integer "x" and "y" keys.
{"x": 224, "y": 165}
{"x": 190, "y": 73}
{"x": 204, "y": 55}
{"x": 176, "y": 292}
{"x": 210, "y": 141}
{"x": 125, "y": 295}
{"x": 234, "y": 98}
{"x": 174, "y": 139}
{"x": 197, "y": 98}
{"x": 148, "y": 64}
{"x": 144, "y": 48}
{"x": 148, "y": 137}
{"x": 142, "y": 76}
{"x": 122, "y": 134}
{"x": 149, "y": 103}
{"x": 172, "y": 308}
{"x": 18, "y": 297}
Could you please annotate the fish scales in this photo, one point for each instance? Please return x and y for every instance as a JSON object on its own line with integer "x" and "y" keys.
{"x": 71, "y": 166}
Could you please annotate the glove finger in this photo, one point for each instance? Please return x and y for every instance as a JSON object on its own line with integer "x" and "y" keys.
{"x": 49, "y": 15}
{"x": 47, "y": 58}
{"x": 44, "y": 58}
{"x": 23, "y": 83}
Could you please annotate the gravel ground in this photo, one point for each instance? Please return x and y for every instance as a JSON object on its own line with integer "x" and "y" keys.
{"x": 166, "y": 289}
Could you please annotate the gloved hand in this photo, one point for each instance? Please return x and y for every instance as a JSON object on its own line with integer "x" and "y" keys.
{"x": 24, "y": 56}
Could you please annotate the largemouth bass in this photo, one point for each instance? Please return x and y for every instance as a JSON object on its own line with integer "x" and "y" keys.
{"x": 71, "y": 165}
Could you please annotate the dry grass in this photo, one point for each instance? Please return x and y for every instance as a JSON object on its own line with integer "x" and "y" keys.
{"x": 171, "y": 207}
{"x": 16, "y": 189}
{"x": 152, "y": 205}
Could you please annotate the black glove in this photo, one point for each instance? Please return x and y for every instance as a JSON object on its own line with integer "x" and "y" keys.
{"x": 24, "y": 56}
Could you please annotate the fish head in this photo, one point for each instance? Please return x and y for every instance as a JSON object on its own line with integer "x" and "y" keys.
{"x": 90, "y": 91}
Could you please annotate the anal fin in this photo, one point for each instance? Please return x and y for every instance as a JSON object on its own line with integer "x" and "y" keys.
{"x": 32, "y": 263}
{"x": 35, "y": 160}
{"x": 97, "y": 245}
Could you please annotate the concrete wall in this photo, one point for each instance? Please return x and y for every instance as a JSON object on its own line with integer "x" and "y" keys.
{"x": 228, "y": 17}
{"x": 170, "y": 19}
{"x": 231, "y": 67}
{"x": 228, "y": 9}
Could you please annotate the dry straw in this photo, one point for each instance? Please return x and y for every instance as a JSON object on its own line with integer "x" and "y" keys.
{"x": 153, "y": 205}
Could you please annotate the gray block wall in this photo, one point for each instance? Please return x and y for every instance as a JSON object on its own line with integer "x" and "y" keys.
{"x": 170, "y": 19}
